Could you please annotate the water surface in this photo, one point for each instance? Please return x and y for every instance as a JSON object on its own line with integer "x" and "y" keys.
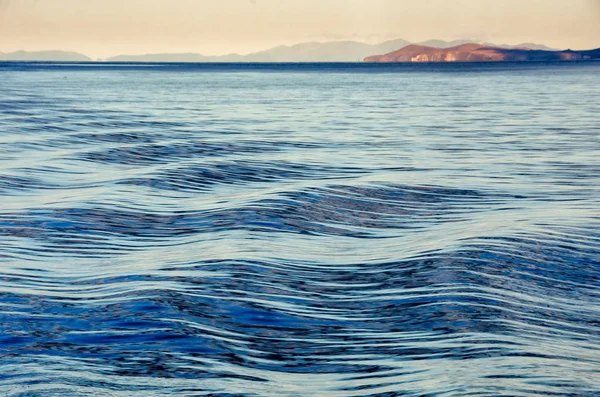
{"x": 299, "y": 230}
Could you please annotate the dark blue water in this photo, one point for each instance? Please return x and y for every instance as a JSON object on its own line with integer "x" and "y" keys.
{"x": 299, "y": 230}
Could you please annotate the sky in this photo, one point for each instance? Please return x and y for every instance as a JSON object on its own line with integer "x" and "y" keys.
{"x": 102, "y": 28}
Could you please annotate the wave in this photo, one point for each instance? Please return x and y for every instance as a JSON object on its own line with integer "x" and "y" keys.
{"x": 489, "y": 310}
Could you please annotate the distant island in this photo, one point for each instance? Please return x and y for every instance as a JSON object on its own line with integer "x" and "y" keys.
{"x": 48, "y": 56}
{"x": 473, "y": 52}
{"x": 333, "y": 51}
{"x": 343, "y": 51}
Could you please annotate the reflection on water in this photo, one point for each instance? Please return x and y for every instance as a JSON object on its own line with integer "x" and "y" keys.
{"x": 303, "y": 230}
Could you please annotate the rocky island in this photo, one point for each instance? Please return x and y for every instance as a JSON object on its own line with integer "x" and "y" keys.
{"x": 472, "y": 52}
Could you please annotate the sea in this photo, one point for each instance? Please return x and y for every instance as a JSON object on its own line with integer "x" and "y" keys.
{"x": 291, "y": 230}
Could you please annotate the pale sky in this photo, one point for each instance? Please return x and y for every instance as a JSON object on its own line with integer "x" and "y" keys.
{"x": 101, "y": 28}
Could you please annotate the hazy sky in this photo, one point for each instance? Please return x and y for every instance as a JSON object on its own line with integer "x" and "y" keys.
{"x": 100, "y": 28}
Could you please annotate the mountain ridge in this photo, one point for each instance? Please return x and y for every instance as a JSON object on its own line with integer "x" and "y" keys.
{"x": 313, "y": 51}
{"x": 330, "y": 51}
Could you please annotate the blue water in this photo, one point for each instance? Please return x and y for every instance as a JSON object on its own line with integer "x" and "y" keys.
{"x": 299, "y": 230}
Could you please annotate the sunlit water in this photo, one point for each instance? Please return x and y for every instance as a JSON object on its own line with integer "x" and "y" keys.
{"x": 299, "y": 230}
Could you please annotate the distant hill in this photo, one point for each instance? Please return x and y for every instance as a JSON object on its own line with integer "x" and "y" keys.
{"x": 531, "y": 46}
{"x": 182, "y": 57}
{"x": 473, "y": 52}
{"x": 442, "y": 43}
{"x": 336, "y": 51}
{"x": 454, "y": 43}
{"x": 58, "y": 56}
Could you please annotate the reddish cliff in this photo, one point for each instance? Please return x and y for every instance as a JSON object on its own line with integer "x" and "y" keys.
{"x": 480, "y": 53}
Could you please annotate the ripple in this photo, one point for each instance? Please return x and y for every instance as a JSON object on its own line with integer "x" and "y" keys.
{"x": 202, "y": 177}
{"x": 362, "y": 322}
{"x": 348, "y": 211}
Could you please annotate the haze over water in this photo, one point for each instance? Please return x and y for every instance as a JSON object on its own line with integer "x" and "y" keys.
{"x": 299, "y": 230}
